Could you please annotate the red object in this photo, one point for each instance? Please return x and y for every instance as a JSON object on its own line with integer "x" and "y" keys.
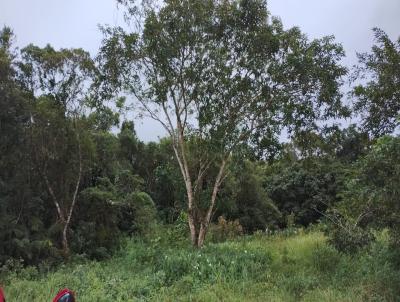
{"x": 2, "y": 297}
{"x": 61, "y": 293}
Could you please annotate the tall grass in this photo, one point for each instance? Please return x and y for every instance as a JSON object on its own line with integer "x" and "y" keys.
{"x": 302, "y": 267}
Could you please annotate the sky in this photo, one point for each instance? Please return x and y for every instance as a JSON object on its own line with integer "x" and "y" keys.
{"x": 74, "y": 23}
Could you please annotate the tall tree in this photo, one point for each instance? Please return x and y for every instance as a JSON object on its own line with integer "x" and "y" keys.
{"x": 223, "y": 74}
{"x": 378, "y": 98}
{"x": 19, "y": 204}
{"x": 59, "y": 83}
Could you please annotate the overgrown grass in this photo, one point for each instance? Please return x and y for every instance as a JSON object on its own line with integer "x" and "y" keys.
{"x": 301, "y": 267}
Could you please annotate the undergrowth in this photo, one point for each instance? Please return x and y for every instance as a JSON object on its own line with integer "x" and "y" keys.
{"x": 299, "y": 267}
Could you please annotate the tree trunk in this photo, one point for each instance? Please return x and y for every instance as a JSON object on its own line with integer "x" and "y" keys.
{"x": 199, "y": 226}
{"x": 65, "y": 246}
{"x": 74, "y": 198}
{"x": 63, "y": 216}
{"x": 207, "y": 219}
{"x": 192, "y": 220}
{"x": 202, "y": 235}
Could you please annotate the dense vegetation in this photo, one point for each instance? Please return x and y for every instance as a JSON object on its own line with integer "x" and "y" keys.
{"x": 227, "y": 82}
{"x": 280, "y": 267}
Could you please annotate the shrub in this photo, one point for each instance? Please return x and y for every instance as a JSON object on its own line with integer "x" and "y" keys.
{"x": 95, "y": 231}
{"x": 225, "y": 230}
{"x": 373, "y": 192}
{"x": 347, "y": 237}
{"x": 137, "y": 213}
{"x": 379, "y": 271}
{"x": 177, "y": 234}
{"x": 303, "y": 188}
{"x": 243, "y": 197}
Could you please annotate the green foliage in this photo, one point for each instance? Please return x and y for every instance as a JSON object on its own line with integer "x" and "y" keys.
{"x": 227, "y": 77}
{"x": 174, "y": 235}
{"x": 326, "y": 258}
{"x": 22, "y": 206}
{"x": 371, "y": 197}
{"x": 244, "y": 198}
{"x": 46, "y": 142}
{"x": 304, "y": 188}
{"x": 215, "y": 263}
{"x": 233, "y": 80}
{"x": 300, "y": 71}
{"x": 46, "y": 137}
{"x": 225, "y": 230}
{"x": 248, "y": 269}
{"x": 378, "y": 179}
{"x": 378, "y": 98}
{"x": 346, "y": 145}
{"x": 109, "y": 210}
{"x": 96, "y": 231}
{"x": 142, "y": 212}
{"x": 347, "y": 237}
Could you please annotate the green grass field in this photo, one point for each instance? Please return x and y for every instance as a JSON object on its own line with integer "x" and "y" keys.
{"x": 300, "y": 267}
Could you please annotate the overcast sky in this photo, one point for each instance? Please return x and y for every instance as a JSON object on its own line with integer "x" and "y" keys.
{"x": 74, "y": 23}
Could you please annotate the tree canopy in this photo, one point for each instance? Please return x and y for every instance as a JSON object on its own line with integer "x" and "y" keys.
{"x": 225, "y": 72}
{"x": 250, "y": 110}
{"x": 378, "y": 98}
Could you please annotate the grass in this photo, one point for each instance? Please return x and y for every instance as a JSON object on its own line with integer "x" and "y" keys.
{"x": 300, "y": 267}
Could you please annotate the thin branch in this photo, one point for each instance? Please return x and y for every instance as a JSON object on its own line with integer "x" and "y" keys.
{"x": 202, "y": 170}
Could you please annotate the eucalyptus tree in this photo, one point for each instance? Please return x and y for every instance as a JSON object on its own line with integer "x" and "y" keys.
{"x": 224, "y": 74}
{"x": 377, "y": 98}
{"x": 59, "y": 83}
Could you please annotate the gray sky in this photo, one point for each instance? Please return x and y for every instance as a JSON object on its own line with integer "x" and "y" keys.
{"x": 73, "y": 23}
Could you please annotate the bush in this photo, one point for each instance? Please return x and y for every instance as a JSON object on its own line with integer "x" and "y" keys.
{"x": 244, "y": 198}
{"x": 137, "y": 213}
{"x": 177, "y": 234}
{"x": 95, "y": 231}
{"x": 303, "y": 188}
{"x": 374, "y": 190}
{"x": 347, "y": 237}
{"x": 225, "y": 230}
{"x": 379, "y": 270}
{"x": 171, "y": 236}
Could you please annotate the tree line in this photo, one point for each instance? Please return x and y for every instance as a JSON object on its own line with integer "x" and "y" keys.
{"x": 227, "y": 82}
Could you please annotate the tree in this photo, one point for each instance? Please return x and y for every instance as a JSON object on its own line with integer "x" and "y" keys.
{"x": 372, "y": 193}
{"x": 304, "y": 188}
{"x": 378, "y": 98}
{"x": 58, "y": 82}
{"x": 346, "y": 144}
{"x": 20, "y": 206}
{"x": 225, "y": 74}
{"x": 244, "y": 198}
